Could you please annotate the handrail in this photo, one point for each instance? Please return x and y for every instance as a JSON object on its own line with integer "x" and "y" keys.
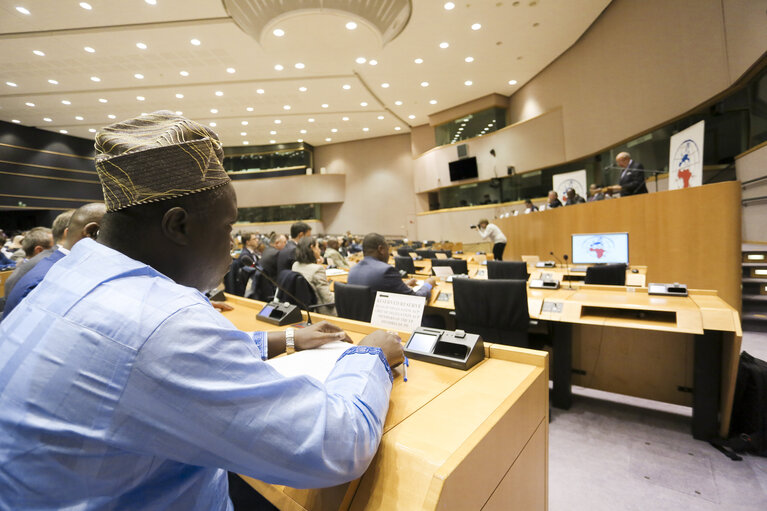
{"x": 743, "y": 184}
{"x": 746, "y": 202}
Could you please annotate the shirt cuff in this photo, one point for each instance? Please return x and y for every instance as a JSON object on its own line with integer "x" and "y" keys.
{"x": 260, "y": 338}
{"x": 427, "y": 286}
{"x": 370, "y": 350}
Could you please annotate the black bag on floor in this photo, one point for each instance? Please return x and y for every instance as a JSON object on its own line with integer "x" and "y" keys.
{"x": 748, "y": 427}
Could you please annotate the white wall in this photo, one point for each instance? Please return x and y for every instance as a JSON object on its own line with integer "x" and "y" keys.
{"x": 276, "y": 191}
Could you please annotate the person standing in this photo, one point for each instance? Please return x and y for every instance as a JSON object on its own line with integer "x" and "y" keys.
{"x": 488, "y": 231}
{"x": 632, "y": 180}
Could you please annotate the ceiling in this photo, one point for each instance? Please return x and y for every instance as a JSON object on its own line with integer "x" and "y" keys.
{"x": 230, "y": 80}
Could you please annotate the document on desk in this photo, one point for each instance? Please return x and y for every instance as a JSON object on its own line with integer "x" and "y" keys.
{"x": 316, "y": 363}
{"x": 331, "y": 272}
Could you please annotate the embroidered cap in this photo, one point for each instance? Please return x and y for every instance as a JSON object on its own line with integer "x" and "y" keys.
{"x": 156, "y": 157}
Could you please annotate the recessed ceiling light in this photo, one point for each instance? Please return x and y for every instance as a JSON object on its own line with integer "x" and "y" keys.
{"x": 112, "y": 116}
{"x": 138, "y": 76}
{"x": 364, "y": 103}
{"x": 351, "y": 25}
{"x": 302, "y": 89}
{"x": 328, "y": 139}
{"x": 278, "y": 32}
{"x": 79, "y": 117}
{"x": 361, "y": 60}
{"x": 424, "y": 84}
{"x": 469, "y": 59}
{"x": 16, "y": 121}
{"x": 243, "y": 133}
{"x": 53, "y": 82}
{"x": 212, "y": 124}
{"x": 23, "y": 10}
{"x": 91, "y": 130}
{"x": 219, "y": 93}
{"x": 89, "y": 49}
{"x": 344, "y": 118}
{"x": 411, "y": 116}
{"x": 310, "y": 119}
{"x": 11, "y": 84}
{"x": 141, "y": 46}
{"x": 444, "y": 45}
{"x": 179, "y": 95}
{"x": 380, "y": 117}
{"x": 272, "y": 132}
{"x": 231, "y": 70}
{"x": 95, "y": 79}
{"x": 433, "y": 101}
{"x": 245, "y": 142}
{"x": 86, "y": 6}
{"x": 179, "y": 112}
{"x": 250, "y": 109}
{"x": 398, "y": 103}
{"x": 373, "y": 62}
{"x": 346, "y": 86}
{"x": 151, "y": 2}
{"x": 63, "y": 131}
{"x": 140, "y": 98}
{"x": 277, "y": 121}
{"x": 278, "y": 67}
{"x": 66, "y": 102}
{"x": 449, "y": 6}
{"x": 38, "y": 53}
{"x": 259, "y": 91}
{"x": 334, "y": 130}
{"x": 397, "y": 128}
{"x": 244, "y": 123}
{"x": 302, "y": 131}
{"x": 299, "y": 65}
{"x": 47, "y": 119}
{"x": 29, "y": 103}
{"x": 324, "y": 105}
{"x": 476, "y": 26}
{"x": 103, "y": 100}
{"x": 365, "y": 129}
{"x": 286, "y": 107}
{"x": 272, "y": 141}
{"x": 512, "y": 82}
{"x": 214, "y": 110}
{"x": 300, "y": 140}
{"x": 184, "y": 73}
{"x": 418, "y": 61}
{"x": 468, "y": 82}
{"x": 195, "y": 42}
{"x": 385, "y": 85}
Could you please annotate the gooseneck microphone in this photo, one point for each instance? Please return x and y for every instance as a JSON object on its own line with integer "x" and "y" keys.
{"x": 567, "y": 267}
{"x": 299, "y": 302}
{"x": 555, "y": 257}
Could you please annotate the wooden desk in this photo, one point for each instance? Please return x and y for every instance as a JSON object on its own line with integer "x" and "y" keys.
{"x": 452, "y": 439}
{"x": 3, "y": 277}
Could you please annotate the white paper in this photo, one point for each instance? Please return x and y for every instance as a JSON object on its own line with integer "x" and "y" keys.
{"x": 316, "y": 363}
{"x": 335, "y": 271}
{"x": 398, "y": 312}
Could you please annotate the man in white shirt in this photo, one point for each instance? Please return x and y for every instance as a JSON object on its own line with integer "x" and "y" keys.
{"x": 491, "y": 232}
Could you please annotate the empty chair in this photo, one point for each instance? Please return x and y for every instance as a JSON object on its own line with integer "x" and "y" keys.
{"x": 607, "y": 274}
{"x": 459, "y": 266}
{"x": 354, "y": 302}
{"x": 507, "y": 270}
{"x": 404, "y": 264}
{"x": 494, "y": 309}
{"x": 425, "y": 253}
{"x": 404, "y": 251}
{"x": 296, "y": 285}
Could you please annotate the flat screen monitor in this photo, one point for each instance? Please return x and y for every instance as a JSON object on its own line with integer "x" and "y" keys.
{"x": 465, "y": 168}
{"x": 601, "y": 248}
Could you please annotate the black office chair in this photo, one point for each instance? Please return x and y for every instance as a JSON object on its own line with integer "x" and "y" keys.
{"x": 606, "y": 275}
{"x": 404, "y": 251}
{"x": 404, "y": 264}
{"x": 354, "y": 302}
{"x": 425, "y": 253}
{"x": 236, "y": 279}
{"x": 507, "y": 270}
{"x": 494, "y": 309}
{"x": 297, "y": 285}
{"x": 459, "y": 266}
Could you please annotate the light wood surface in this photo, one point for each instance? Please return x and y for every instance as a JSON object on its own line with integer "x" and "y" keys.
{"x": 691, "y": 235}
{"x": 3, "y": 277}
{"x": 452, "y": 440}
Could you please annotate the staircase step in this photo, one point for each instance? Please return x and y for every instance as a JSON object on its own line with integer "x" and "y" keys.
{"x": 755, "y": 298}
{"x": 754, "y": 264}
{"x": 754, "y": 280}
{"x": 755, "y": 316}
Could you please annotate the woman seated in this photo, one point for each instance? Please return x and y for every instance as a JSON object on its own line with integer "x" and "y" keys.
{"x": 307, "y": 255}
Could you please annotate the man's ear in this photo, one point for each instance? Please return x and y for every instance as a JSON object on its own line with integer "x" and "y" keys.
{"x": 175, "y": 226}
{"x": 91, "y": 230}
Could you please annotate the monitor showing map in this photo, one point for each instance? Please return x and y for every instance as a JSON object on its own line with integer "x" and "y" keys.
{"x": 600, "y": 248}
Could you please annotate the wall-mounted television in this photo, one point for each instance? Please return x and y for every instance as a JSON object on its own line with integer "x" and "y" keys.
{"x": 465, "y": 168}
{"x": 601, "y": 248}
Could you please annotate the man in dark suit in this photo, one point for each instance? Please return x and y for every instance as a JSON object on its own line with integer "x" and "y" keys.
{"x": 288, "y": 254}
{"x": 264, "y": 289}
{"x": 375, "y": 272}
{"x": 632, "y": 180}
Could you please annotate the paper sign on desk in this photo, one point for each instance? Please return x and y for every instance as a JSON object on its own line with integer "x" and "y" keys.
{"x": 398, "y": 312}
{"x": 331, "y": 272}
{"x": 316, "y": 363}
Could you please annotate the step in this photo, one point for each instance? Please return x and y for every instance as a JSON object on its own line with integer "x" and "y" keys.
{"x": 755, "y": 298}
{"x": 754, "y": 316}
{"x": 753, "y": 247}
{"x": 754, "y": 280}
{"x": 753, "y": 264}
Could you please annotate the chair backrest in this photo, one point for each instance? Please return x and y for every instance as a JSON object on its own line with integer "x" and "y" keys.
{"x": 295, "y": 284}
{"x": 353, "y": 301}
{"x": 507, "y": 270}
{"x": 494, "y": 309}
{"x": 459, "y": 266}
{"x": 607, "y": 274}
{"x": 404, "y": 263}
{"x": 425, "y": 253}
{"x": 403, "y": 251}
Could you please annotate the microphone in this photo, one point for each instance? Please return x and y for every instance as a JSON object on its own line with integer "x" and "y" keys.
{"x": 567, "y": 266}
{"x": 555, "y": 257}
{"x": 279, "y": 287}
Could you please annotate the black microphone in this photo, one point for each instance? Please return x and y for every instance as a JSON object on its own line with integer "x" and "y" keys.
{"x": 567, "y": 267}
{"x": 299, "y": 302}
{"x": 555, "y": 257}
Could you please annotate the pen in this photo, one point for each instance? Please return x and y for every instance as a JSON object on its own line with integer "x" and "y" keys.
{"x": 407, "y": 363}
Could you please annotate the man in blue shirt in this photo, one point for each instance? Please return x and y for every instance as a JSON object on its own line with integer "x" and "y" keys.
{"x": 122, "y": 388}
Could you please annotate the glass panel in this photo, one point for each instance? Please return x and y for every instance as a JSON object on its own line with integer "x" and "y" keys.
{"x": 472, "y": 125}
{"x": 266, "y": 158}
{"x": 285, "y": 213}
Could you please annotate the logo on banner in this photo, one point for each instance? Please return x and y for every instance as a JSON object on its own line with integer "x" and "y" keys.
{"x": 600, "y": 246}
{"x": 575, "y": 184}
{"x": 686, "y": 159}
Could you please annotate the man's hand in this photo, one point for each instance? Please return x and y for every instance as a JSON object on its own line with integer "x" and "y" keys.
{"x": 390, "y": 343}
{"x": 222, "y": 306}
{"x": 411, "y": 282}
{"x": 318, "y": 334}
{"x": 432, "y": 281}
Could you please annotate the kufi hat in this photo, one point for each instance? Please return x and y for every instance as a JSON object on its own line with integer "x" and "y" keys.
{"x": 156, "y": 157}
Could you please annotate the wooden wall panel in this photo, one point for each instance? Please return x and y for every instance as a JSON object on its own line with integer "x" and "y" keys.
{"x": 690, "y": 236}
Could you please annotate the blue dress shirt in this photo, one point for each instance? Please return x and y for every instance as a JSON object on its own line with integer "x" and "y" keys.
{"x": 30, "y": 280}
{"x": 120, "y": 389}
